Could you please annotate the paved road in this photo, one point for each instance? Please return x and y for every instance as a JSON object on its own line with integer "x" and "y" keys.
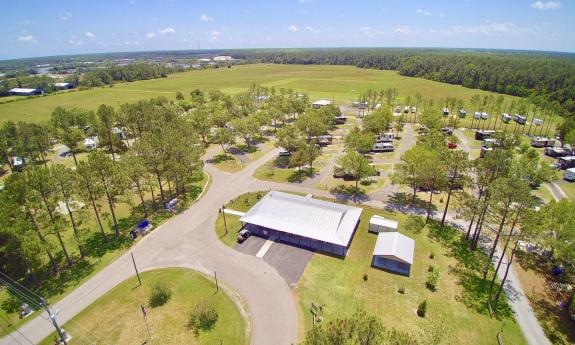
{"x": 557, "y": 192}
{"x": 189, "y": 240}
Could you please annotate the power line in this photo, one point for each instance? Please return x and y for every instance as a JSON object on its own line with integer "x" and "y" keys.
{"x": 15, "y": 282}
{"x": 23, "y": 297}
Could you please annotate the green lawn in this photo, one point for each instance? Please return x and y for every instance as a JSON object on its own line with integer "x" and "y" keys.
{"x": 116, "y": 317}
{"x": 99, "y": 254}
{"x": 339, "y": 285}
{"x": 341, "y": 83}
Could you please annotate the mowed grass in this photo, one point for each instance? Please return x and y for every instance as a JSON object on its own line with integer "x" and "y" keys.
{"x": 339, "y": 285}
{"x": 116, "y": 317}
{"x": 339, "y": 83}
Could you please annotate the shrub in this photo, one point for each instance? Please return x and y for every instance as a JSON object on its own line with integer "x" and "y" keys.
{"x": 401, "y": 290}
{"x": 433, "y": 279}
{"x": 365, "y": 277}
{"x": 422, "y": 308}
{"x": 161, "y": 294}
{"x": 203, "y": 317}
{"x": 415, "y": 223}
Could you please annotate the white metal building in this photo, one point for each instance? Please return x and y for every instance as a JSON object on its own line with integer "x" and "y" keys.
{"x": 20, "y": 91}
{"x": 381, "y": 224}
{"x": 304, "y": 221}
{"x": 320, "y": 103}
{"x": 393, "y": 252}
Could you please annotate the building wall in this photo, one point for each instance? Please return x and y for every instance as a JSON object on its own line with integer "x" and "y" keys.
{"x": 298, "y": 241}
{"x": 391, "y": 265}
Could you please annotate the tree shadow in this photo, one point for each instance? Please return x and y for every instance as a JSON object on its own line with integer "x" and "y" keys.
{"x": 348, "y": 193}
{"x": 217, "y": 159}
{"x": 406, "y": 203}
{"x": 298, "y": 176}
{"x": 68, "y": 277}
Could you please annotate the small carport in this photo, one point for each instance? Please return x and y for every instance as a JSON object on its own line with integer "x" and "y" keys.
{"x": 393, "y": 252}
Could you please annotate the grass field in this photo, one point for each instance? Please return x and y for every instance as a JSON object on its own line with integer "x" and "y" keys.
{"x": 459, "y": 300}
{"x": 339, "y": 83}
{"x": 116, "y": 318}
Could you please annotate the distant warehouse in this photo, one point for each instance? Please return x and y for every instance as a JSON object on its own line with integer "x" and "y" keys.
{"x": 19, "y": 91}
{"x": 63, "y": 86}
{"x": 303, "y": 221}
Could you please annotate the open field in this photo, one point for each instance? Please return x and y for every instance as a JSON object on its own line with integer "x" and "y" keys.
{"x": 340, "y": 83}
{"x": 116, "y": 318}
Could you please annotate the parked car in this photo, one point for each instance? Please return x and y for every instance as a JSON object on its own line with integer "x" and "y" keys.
{"x": 243, "y": 235}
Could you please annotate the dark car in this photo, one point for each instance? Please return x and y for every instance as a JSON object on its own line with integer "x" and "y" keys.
{"x": 243, "y": 235}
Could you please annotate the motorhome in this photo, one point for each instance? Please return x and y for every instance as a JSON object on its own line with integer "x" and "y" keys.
{"x": 566, "y": 162}
{"x": 557, "y": 152}
{"x": 506, "y": 117}
{"x": 383, "y": 147}
{"x": 542, "y": 142}
{"x": 483, "y": 134}
{"x": 569, "y": 174}
{"x": 520, "y": 119}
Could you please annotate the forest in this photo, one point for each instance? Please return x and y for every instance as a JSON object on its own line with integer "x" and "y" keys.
{"x": 549, "y": 78}
{"x": 131, "y": 72}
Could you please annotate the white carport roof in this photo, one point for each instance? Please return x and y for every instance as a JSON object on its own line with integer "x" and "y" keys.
{"x": 305, "y": 216}
{"x": 21, "y": 89}
{"x": 394, "y": 245}
{"x": 381, "y": 221}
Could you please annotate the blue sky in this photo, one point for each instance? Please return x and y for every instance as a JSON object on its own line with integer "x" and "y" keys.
{"x": 40, "y": 28}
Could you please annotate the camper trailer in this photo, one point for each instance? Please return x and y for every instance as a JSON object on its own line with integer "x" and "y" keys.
{"x": 520, "y": 119}
{"x": 91, "y": 143}
{"x": 383, "y": 147}
{"x": 406, "y": 109}
{"x": 483, "y": 134}
{"x": 398, "y": 109}
{"x": 506, "y": 117}
{"x": 557, "y": 152}
{"x": 17, "y": 163}
{"x": 462, "y": 113}
{"x": 477, "y": 115}
{"x": 566, "y": 162}
{"x": 445, "y": 112}
{"x": 569, "y": 175}
{"x": 537, "y": 122}
{"x": 542, "y": 142}
{"x": 413, "y": 110}
{"x": 340, "y": 120}
{"x": 484, "y": 116}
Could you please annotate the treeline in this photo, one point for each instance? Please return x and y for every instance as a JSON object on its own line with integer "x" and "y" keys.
{"x": 549, "y": 77}
{"x": 160, "y": 160}
{"x": 127, "y": 73}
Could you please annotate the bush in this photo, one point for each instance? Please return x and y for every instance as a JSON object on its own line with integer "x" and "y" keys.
{"x": 365, "y": 277}
{"x": 422, "y": 308}
{"x": 401, "y": 290}
{"x": 415, "y": 223}
{"x": 161, "y": 294}
{"x": 433, "y": 279}
{"x": 202, "y": 318}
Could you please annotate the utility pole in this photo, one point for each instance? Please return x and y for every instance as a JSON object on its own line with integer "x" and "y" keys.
{"x": 216, "y": 277}
{"x": 225, "y": 223}
{"x": 136, "y": 268}
{"x": 54, "y": 322}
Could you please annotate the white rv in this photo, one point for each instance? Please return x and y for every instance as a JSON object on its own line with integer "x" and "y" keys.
{"x": 383, "y": 147}
{"x": 569, "y": 175}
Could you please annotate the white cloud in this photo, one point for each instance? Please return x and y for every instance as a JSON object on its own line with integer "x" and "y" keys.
{"x": 27, "y": 38}
{"x": 167, "y": 31}
{"x": 293, "y": 28}
{"x": 423, "y": 12}
{"x": 214, "y": 35}
{"x": 206, "y": 18}
{"x": 365, "y": 28}
{"x": 401, "y": 30}
{"x": 65, "y": 16}
{"x": 486, "y": 29}
{"x": 89, "y": 34}
{"x": 546, "y": 5}
{"x": 150, "y": 35}
{"x": 312, "y": 29}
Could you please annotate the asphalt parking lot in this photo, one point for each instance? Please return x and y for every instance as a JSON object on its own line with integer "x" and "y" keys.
{"x": 289, "y": 261}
